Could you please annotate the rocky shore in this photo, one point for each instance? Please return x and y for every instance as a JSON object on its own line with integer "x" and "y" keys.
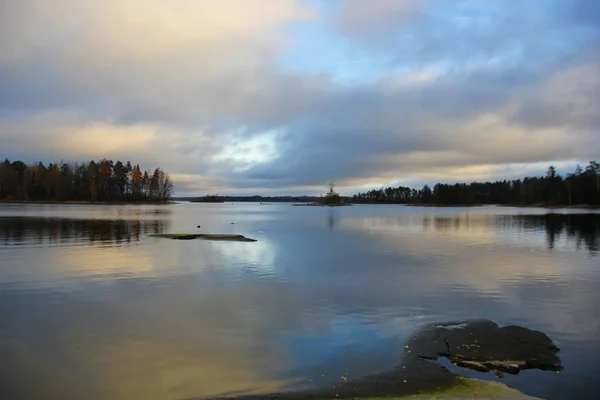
{"x": 480, "y": 345}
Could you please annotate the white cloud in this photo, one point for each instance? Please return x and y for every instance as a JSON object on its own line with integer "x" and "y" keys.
{"x": 244, "y": 153}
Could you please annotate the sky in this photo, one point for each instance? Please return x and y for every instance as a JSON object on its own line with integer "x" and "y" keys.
{"x": 282, "y": 96}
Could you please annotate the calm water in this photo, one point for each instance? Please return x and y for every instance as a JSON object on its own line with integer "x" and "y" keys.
{"x": 91, "y": 307}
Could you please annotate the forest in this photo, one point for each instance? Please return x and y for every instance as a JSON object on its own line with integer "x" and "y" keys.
{"x": 101, "y": 181}
{"x": 582, "y": 186}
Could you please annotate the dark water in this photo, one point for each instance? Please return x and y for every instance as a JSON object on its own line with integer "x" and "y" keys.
{"x": 91, "y": 307}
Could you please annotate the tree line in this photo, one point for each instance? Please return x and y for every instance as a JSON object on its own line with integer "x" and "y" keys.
{"x": 102, "y": 180}
{"x": 579, "y": 187}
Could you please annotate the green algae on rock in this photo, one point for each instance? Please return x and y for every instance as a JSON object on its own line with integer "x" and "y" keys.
{"x": 453, "y": 387}
{"x": 204, "y": 236}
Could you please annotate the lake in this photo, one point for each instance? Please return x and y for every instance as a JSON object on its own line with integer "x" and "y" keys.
{"x": 92, "y": 307}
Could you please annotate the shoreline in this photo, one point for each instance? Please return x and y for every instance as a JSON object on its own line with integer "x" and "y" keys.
{"x": 444, "y": 205}
{"x": 553, "y": 206}
{"x": 535, "y": 205}
{"x": 86, "y": 202}
{"x": 509, "y": 349}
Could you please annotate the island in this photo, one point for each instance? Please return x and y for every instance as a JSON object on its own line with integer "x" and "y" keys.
{"x": 331, "y": 199}
{"x": 209, "y": 198}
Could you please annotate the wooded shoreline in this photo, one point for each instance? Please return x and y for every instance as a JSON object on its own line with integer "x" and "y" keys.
{"x": 95, "y": 181}
{"x": 534, "y": 205}
{"x": 430, "y": 205}
{"x": 582, "y": 186}
{"x": 87, "y": 202}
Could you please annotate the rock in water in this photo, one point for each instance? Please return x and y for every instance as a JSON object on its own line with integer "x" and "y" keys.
{"x": 482, "y": 345}
{"x": 478, "y": 344}
{"x": 204, "y": 236}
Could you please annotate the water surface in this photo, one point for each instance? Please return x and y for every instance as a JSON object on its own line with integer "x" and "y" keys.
{"x": 92, "y": 307}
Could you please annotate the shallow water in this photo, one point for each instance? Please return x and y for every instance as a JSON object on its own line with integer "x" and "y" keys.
{"x": 92, "y": 307}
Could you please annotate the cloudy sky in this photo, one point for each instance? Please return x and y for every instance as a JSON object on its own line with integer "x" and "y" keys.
{"x": 282, "y": 96}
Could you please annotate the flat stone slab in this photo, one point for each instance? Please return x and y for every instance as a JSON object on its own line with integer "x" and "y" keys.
{"x": 483, "y": 346}
{"x": 322, "y": 205}
{"x": 204, "y": 236}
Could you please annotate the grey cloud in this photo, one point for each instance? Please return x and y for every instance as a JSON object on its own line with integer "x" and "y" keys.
{"x": 373, "y": 134}
{"x": 443, "y": 30}
{"x": 479, "y": 111}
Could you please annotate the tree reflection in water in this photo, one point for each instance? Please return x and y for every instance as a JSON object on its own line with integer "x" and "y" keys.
{"x": 27, "y": 230}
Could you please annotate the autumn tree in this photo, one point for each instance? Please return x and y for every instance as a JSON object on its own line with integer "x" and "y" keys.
{"x": 103, "y": 180}
{"x": 136, "y": 182}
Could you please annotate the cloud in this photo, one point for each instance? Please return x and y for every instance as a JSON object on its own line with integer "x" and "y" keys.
{"x": 420, "y": 31}
{"x": 446, "y": 125}
{"x": 168, "y": 61}
{"x": 357, "y": 16}
{"x": 199, "y": 87}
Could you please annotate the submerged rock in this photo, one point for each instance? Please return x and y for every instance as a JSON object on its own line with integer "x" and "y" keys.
{"x": 322, "y": 205}
{"x": 204, "y": 236}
